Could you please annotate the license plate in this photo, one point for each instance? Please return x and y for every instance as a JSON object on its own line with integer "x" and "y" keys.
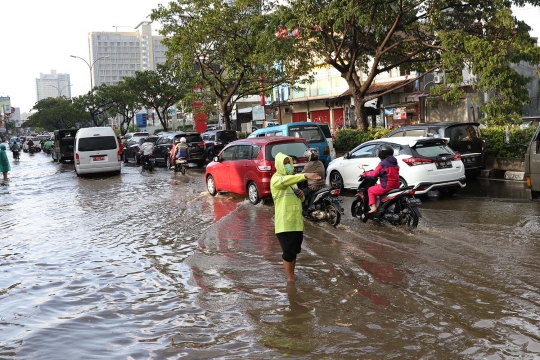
{"x": 414, "y": 201}
{"x": 98, "y": 158}
{"x": 443, "y": 164}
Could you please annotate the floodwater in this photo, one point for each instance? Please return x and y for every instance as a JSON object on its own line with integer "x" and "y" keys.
{"x": 149, "y": 266}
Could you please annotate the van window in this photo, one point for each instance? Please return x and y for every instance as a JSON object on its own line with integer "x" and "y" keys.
{"x": 226, "y": 136}
{"x": 96, "y": 143}
{"x": 295, "y": 149}
{"x": 432, "y": 149}
{"x": 193, "y": 138}
{"x": 312, "y": 133}
{"x": 326, "y": 130}
{"x": 465, "y": 132}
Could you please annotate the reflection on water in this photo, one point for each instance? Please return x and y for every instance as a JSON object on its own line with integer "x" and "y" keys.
{"x": 148, "y": 265}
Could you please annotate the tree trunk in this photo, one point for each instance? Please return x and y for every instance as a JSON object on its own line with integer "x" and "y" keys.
{"x": 226, "y": 115}
{"x": 360, "y": 114}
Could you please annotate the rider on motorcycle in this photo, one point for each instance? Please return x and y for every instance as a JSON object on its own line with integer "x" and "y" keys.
{"x": 388, "y": 173}
{"x": 316, "y": 166}
{"x": 182, "y": 150}
{"x": 147, "y": 148}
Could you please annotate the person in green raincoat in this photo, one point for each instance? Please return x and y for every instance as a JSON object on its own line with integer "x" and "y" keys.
{"x": 4, "y": 162}
{"x": 289, "y": 223}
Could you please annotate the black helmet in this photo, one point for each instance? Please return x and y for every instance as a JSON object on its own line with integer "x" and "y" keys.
{"x": 312, "y": 154}
{"x": 385, "y": 151}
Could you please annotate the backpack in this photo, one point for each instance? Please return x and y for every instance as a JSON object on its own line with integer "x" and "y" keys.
{"x": 182, "y": 152}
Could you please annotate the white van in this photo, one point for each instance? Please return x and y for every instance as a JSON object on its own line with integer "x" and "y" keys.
{"x": 96, "y": 151}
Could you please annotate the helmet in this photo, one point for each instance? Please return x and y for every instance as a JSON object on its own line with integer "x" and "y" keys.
{"x": 183, "y": 140}
{"x": 312, "y": 154}
{"x": 385, "y": 151}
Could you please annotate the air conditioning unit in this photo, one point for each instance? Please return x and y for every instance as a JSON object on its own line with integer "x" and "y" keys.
{"x": 437, "y": 79}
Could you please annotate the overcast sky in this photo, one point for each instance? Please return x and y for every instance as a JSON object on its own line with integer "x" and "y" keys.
{"x": 39, "y": 35}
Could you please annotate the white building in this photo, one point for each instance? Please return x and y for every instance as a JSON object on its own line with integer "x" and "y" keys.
{"x": 119, "y": 54}
{"x": 53, "y": 85}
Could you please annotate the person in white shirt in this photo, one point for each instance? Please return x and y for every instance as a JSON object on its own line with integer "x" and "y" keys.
{"x": 147, "y": 148}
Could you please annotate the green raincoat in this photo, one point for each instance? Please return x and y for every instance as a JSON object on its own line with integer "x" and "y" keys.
{"x": 4, "y": 162}
{"x": 288, "y": 207}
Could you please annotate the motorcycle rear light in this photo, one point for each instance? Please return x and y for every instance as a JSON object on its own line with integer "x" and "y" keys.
{"x": 335, "y": 192}
{"x": 327, "y": 151}
{"x": 265, "y": 166}
{"x": 412, "y": 161}
{"x": 77, "y": 159}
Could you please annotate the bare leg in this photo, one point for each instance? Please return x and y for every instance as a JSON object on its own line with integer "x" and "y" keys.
{"x": 289, "y": 269}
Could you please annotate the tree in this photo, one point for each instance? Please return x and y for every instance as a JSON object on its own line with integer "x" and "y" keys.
{"x": 159, "y": 89}
{"x": 125, "y": 103}
{"x": 56, "y": 113}
{"x": 97, "y": 103}
{"x": 230, "y": 46}
{"x": 372, "y": 37}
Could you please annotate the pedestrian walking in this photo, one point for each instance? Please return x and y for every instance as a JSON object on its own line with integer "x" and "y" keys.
{"x": 289, "y": 223}
{"x": 4, "y": 162}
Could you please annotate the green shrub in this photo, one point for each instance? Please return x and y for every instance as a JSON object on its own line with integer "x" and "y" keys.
{"x": 495, "y": 137}
{"x": 348, "y": 139}
{"x": 242, "y": 135}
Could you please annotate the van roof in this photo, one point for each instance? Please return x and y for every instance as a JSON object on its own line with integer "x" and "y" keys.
{"x": 91, "y": 131}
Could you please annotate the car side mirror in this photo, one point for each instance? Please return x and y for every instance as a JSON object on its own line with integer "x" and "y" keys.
{"x": 348, "y": 155}
{"x": 216, "y": 159}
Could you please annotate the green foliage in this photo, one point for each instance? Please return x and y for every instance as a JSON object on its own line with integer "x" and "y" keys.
{"x": 495, "y": 137}
{"x": 243, "y": 135}
{"x": 56, "y": 113}
{"x": 348, "y": 139}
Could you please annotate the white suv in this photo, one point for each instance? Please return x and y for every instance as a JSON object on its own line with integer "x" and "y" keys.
{"x": 37, "y": 144}
{"x": 426, "y": 161}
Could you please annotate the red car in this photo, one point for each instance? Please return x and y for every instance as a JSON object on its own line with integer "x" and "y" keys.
{"x": 246, "y": 166}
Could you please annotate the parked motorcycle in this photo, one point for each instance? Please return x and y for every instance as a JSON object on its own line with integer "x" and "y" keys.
{"x": 398, "y": 206}
{"x": 148, "y": 161}
{"x": 179, "y": 166}
{"x": 323, "y": 205}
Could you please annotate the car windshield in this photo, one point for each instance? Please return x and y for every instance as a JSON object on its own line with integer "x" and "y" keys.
{"x": 465, "y": 132}
{"x": 312, "y": 133}
{"x": 294, "y": 149}
{"x": 97, "y": 143}
{"x": 226, "y": 136}
{"x": 193, "y": 138}
{"x": 432, "y": 149}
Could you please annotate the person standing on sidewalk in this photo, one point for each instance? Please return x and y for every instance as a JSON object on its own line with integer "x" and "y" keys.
{"x": 4, "y": 162}
{"x": 289, "y": 224}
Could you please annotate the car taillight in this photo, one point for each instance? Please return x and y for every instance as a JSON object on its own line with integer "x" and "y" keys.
{"x": 412, "y": 161}
{"x": 203, "y": 144}
{"x": 327, "y": 151}
{"x": 77, "y": 159}
{"x": 412, "y": 192}
{"x": 265, "y": 166}
{"x": 119, "y": 154}
{"x": 457, "y": 156}
{"x": 335, "y": 192}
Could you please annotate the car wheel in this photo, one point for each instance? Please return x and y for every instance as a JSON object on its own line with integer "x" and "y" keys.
{"x": 211, "y": 185}
{"x": 336, "y": 180}
{"x": 253, "y": 193}
{"x": 402, "y": 182}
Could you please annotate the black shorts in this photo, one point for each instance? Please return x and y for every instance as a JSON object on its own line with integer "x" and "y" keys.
{"x": 291, "y": 244}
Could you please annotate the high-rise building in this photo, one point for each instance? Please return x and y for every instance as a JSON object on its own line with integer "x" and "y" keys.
{"x": 119, "y": 54}
{"x": 53, "y": 85}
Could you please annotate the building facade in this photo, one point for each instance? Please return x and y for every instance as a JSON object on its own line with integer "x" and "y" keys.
{"x": 53, "y": 85}
{"x": 115, "y": 55}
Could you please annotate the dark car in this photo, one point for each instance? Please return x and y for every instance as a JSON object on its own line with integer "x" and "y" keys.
{"x": 246, "y": 166}
{"x": 464, "y": 138}
{"x": 166, "y": 141}
{"x": 216, "y": 140}
{"x": 132, "y": 147}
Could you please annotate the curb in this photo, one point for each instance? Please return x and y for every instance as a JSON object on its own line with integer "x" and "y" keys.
{"x": 502, "y": 175}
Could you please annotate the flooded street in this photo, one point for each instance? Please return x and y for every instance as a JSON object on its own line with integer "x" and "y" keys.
{"x": 149, "y": 266}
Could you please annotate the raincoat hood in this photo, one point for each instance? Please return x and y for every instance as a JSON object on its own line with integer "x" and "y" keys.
{"x": 2, "y": 147}
{"x": 280, "y": 167}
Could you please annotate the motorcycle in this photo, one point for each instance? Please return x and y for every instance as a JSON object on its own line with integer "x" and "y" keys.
{"x": 179, "y": 166}
{"x": 323, "y": 205}
{"x": 16, "y": 155}
{"x": 49, "y": 150}
{"x": 32, "y": 149}
{"x": 398, "y": 206}
{"x": 148, "y": 161}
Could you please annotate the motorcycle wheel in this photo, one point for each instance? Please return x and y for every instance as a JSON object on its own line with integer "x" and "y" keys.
{"x": 151, "y": 166}
{"x": 183, "y": 170}
{"x": 335, "y": 216}
{"x": 357, "y": 209}
{"x": 410, "y": 217}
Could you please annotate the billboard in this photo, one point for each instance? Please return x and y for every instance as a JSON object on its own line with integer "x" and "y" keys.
{"x": 5, "y": 105}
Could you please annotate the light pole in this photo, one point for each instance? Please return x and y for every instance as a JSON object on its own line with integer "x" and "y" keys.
{"x": 59, "y": 90}
{"x": 90, "y": 67}
{"x": 425, "y": 101}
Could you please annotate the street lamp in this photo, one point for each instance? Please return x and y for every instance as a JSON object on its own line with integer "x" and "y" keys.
{"x": 59, "y": 90}
{"x": 90, "y": 67}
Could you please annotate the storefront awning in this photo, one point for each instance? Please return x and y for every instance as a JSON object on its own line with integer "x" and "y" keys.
{"x": 401, "y": 105}
{"x": 418, "y": 95}
{"x": 244, "y": 111}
